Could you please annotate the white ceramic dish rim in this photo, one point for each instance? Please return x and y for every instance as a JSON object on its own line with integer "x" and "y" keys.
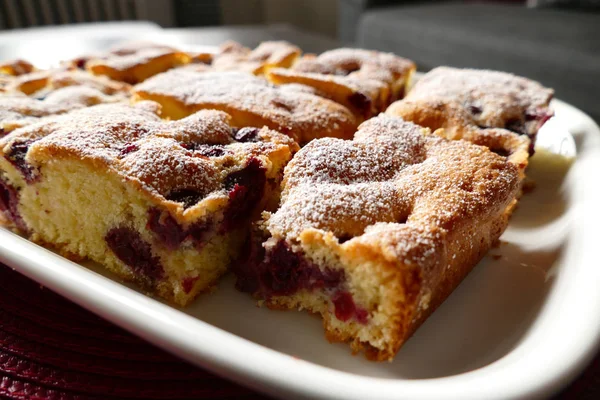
{"x": 558, "y": 346}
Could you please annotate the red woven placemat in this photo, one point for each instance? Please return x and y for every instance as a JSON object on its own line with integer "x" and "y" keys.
{"x": 53, "y": 349}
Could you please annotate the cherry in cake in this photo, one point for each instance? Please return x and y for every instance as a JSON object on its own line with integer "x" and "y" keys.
{"x": 374, "y": 233}
{"x": 250, "y": 100}
{"x": 495, "y": 109}
{"x": 165, "y": 204}
{"x": 364, "y": 81}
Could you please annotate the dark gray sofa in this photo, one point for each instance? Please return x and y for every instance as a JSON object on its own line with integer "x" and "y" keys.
{"x": 558, "y": 47}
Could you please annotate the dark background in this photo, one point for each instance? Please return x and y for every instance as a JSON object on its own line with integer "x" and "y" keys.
{"x": 556, "y": 42}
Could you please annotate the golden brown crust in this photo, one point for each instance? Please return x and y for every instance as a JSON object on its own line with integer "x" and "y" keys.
{"x": 250, "y": 100}
{"x": 133, "y": 62}
{"x": 17, "y": 110}
{"x": 16, "y": 67}
{"x": 40, "y": 83}
{"x": 365, "y": 81}
{"x": 61, "y": 79}
{"x": 29, "y": 83}
{"x": 162, "y": 156}
{"x": 420, "y": 218}
{"x": 165, "y": 204}
{"x": 494, "y": 109}
{"x": 271, "y": 54}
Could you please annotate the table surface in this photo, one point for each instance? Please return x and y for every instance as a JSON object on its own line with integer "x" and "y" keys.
{"x": 52, "y": 348}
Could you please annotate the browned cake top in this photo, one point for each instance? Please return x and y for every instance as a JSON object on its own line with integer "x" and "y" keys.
{"x": 234, "y": 56}
{"x": 395, "y": 173}
{"x": 364, "y": 81}
{"x": 18, "y": 110}
{"x": 167, "y": 157}
{"x": 135, "y": 46}
{"x": 485, "y": 98}
{"x": 273, "y": 52}
{"x": 16, "y": 67}
{"x": 45, "y": 81}
{"x": 29, "y": 83}
{"x": 289, "y": 110}
{"x": 61, "y": 78}
{"x": 357, "y": 63}
{"x": 130, "y": 54}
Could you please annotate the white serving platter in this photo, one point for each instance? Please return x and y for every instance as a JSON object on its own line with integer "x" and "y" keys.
{"x": 522, "y": 324}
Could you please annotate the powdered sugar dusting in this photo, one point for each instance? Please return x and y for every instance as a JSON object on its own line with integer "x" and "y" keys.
{"x": 252, "y": 100}
{"x": 488, "y": 99}
{"x": 126, "y": 58}
{"x": 235, "y": 57}
{"x": 80, "y": 78}
{"x": 417, "y": 185}
{"x": 18, "y": 110}
{"x": 366, "y": 81}
{"x": 165, "y": 156}
{"x": 357, "y": 62}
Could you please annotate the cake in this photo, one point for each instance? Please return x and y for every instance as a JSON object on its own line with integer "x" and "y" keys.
{"x": 373, "y": 234}
{"x": 232, "y": 56}
{"x": 76, "y": 77}
{"x": 250, "y": 100}
{"x": 17, "y": 110}
{"x": 163, "y": 203}
{"x": 197, "y": 169}
{"x": 496, "y": 109}
{"x": 365, "y": 81}
{"x": 16, "y": 67}
{"x": 133, "y": 62}
{"x": 40, "y": 82}
{"x": 28, "y": 83}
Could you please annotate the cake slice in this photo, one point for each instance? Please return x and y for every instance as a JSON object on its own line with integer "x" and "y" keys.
{"x": 495, "y": 109}
{"x": 17, "y": 110}
{"x": 41, "y": 82}
{"x": 232, "y": 56}
{"x": 16, "y": 67}
{"x": 365, "y": 81}
{"x": 134, "y": 62}
{"x": 250, "y": 100}
{"x": 60, "y": 79}
{"x": 373, "y": 234}
{"x": 28, "y": 83}
{"x": 164, "y": 204}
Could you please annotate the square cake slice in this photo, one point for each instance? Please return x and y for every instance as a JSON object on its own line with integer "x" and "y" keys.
{"x": 17, "y": 110}
{"x": 39, "y": 83}
{"x": 165, "y": 204}
{"x": 365, "y": 81}
{"x": 134, "y": 62}
{"x": 16, "y": 67}
{"x": 374, "y": 233}
{"x": 495, "y": 109}
{"x": 232, "y": 56}
{"x": 250, "y": 100}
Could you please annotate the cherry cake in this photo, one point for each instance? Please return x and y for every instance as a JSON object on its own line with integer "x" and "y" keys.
{"x": 135, "y": 61}
{"x": 232, "y": 56}
{"x": 250, "y": 100}
{"x": 374, "y": 233}
{"x": 495, "y": 109}
{"x": 164, "y": 203}
{"x": 197, "y": 169}
{"x": 365, "y": 81}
